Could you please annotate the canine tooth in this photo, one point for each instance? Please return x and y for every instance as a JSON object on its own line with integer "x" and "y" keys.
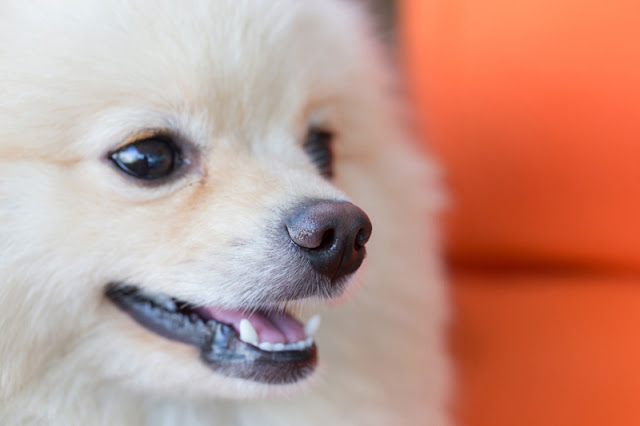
{"x": 278, "y": 346}
{"x": 266, "y": 346}
{"x": 312, "y": 325}
{"x": 308, "y": 342}
{"x": 248, "y": 334}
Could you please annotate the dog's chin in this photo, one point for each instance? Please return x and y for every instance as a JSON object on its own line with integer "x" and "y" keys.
{"x": 261, "y": 346}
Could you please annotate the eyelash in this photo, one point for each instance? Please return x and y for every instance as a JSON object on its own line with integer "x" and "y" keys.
{"x": 318, "y": 147}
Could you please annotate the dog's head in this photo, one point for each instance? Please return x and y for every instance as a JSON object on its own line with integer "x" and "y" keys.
{"x": 169, "y": 181}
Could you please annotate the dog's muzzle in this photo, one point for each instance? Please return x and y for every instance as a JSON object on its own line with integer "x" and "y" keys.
{"x": 323, "y": 244}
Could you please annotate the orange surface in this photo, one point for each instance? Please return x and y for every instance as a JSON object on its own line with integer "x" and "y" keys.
{"x": 547, "y": 351}
{"x": 533, "y": 108}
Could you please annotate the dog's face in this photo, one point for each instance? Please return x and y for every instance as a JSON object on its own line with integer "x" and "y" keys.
{"x": 169, "y": 180}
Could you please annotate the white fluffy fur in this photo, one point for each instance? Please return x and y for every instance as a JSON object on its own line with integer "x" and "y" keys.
{"x": 239, "y": 79}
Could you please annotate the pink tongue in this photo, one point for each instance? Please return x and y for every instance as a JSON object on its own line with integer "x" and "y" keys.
{"x": 273, "y": 327}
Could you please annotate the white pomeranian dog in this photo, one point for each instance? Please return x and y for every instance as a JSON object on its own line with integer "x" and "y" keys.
{"x": 188, "y": 193}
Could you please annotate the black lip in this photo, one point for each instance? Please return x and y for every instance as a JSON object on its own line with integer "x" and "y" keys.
{"x": 220, "y": 347}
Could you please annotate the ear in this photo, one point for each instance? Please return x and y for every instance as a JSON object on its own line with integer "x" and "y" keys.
{"x": 384, "y": 14}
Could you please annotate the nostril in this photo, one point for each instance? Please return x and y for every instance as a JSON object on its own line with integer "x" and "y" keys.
{"x": 328, "y": 239}
{"x": 312, "y": 239}
{"x": 361, "y": 239}
{"x": 363, "y": 235}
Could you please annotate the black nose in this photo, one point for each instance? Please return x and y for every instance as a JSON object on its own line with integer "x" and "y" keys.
{"x": 332, "y": 236}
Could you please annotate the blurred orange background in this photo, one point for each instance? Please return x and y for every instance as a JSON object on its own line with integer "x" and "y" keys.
{"x": 533, "y": 109}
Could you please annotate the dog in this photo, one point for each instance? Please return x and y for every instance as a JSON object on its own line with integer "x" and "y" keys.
{"x": 213, "y": 212}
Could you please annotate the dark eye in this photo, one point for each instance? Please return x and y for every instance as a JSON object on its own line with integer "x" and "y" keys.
{"x": 318, "y": 147}
{"x": 151, "y": 158}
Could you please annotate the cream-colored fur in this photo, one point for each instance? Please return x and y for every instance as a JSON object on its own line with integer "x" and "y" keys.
{"x": 239, "y": 79}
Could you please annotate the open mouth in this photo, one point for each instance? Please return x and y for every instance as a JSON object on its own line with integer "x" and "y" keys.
{"x": 259, "y": 345}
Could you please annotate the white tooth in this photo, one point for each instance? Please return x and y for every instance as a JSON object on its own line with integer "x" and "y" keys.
{"x": 278, "y": 346}
{"x": 288, "y": 346}
{"x": 299, "y": 345}
{"x": 247, "y": 332}
{"x": 266, "y": 346}
{"x": 312, "y": 325}
{"x": 308, "y": 342}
